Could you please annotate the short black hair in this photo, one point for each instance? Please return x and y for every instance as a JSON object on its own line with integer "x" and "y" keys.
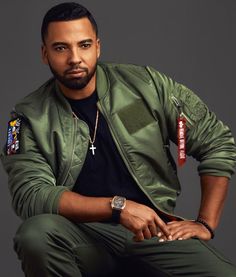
{"x": 66, "y": 12}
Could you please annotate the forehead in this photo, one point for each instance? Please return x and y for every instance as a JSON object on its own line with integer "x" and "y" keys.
{"x": 70, "y": 30}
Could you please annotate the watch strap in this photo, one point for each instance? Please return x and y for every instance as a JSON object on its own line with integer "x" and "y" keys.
{"x": 115, "y": 216}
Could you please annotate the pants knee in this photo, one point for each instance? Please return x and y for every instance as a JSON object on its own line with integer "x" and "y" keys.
{"x": 35, "y": 233}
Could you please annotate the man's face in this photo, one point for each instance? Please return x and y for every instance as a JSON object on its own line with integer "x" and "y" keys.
{"x": 71, "y": 50}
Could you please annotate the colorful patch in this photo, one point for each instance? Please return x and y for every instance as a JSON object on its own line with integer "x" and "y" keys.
{"x": 13, "y": 135}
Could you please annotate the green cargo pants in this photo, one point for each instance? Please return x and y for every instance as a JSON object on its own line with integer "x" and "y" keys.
{"x": 51, "y": 245}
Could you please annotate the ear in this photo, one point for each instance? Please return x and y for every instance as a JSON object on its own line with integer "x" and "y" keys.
{"x": 44, "y": 54}
{"x": 98, "y": 44}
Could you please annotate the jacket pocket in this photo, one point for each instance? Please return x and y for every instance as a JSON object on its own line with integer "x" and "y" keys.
{"x": 188, "y": 104}
{"x": 179, "y": 106}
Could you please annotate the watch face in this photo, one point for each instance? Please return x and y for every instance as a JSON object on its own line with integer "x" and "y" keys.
{"x": 118, "y": 202}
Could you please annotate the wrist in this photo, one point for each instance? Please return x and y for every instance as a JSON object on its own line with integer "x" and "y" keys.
{"x": 118, "y": 204}
{"x": 206, "y": 225}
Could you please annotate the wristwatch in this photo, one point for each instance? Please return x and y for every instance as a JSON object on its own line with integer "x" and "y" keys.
{"x": 117, "y": 204}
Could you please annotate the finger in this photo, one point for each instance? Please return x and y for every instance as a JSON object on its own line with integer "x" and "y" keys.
{"x": 153, "y": 230}
{"x": 178, "y": 226}
{"x": 186, "y": 236}
{"x": 162, "y": 239}
{"x": 138, "y": 236}
{"x": 171, "y": 222}
{"x": 174, "y": 224}
{"x": 146, "y": 233}
{"x": 163, "y": 227}
{"x": 162, "y": 236}
{"x": 176, "y": 229}
{"x": 177, "y": 235}
{"x": 179, "y": 231}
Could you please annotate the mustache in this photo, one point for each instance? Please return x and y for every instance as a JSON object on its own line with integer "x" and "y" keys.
{"x": 75, "y": 68}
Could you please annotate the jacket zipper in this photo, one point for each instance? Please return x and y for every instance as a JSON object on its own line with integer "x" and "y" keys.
{"x": 126, "y": 161}
{"x": 179, "y": 107}
{"x": 76, "y": 118}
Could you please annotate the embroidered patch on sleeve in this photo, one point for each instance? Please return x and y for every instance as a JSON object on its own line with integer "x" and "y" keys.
{"x": 13, "y": 136}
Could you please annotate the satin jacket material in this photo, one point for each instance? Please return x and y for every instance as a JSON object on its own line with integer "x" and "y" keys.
{"x": 141, "y": 107}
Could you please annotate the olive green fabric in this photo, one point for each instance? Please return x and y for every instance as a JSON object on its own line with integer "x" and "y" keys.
{"x": 140, "y": 106}
{"x": 52, "y": 246}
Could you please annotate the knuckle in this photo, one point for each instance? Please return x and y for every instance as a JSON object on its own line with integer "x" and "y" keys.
{"x": 149, "y": 220}
{"x": 139, "y": 226}
{"x": 143, "y": 226}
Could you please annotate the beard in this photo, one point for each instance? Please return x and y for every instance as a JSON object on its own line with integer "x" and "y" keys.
{"x": 74, "y": 83}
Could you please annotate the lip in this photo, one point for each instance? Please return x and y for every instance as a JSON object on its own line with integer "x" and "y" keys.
{"x": 76, "y": 72}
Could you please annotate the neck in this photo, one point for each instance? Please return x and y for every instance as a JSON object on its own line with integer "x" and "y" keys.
{"x": 80, "y": 93}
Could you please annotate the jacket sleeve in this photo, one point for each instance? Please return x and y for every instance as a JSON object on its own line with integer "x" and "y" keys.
{"x": 31, "y": 180}
{"x": 208, "y": 140}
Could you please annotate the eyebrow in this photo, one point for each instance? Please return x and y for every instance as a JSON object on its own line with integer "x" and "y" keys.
{"x": 86, "y": 40}
{"x": 65, "y": 43}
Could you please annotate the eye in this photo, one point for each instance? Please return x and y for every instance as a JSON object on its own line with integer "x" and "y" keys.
{"x": 85, "y": 45}
{"x": 60, "y": 48}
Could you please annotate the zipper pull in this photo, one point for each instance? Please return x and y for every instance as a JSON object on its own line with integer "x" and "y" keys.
{"x": 181, "y": 133}
{"x": 178, "y": 105}
{"x": 180, "y": 110}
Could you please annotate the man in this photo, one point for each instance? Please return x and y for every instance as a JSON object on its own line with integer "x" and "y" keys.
{"x": 90, "y": 170}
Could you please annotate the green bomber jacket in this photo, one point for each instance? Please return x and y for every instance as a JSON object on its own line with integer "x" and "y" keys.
{"x": 141, "y": 107}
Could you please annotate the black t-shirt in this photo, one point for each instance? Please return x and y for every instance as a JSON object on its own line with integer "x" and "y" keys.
{"x": 103, "y": 174}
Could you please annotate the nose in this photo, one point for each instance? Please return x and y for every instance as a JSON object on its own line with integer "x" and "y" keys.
{"x": 74, "y": 57}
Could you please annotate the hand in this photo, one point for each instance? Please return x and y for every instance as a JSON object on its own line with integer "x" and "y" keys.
{"x": 142, "y": 221}
{"x": 186, "y": 229}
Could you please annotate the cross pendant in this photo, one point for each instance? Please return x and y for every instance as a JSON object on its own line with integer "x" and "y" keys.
{"x": 92, "y": 148}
